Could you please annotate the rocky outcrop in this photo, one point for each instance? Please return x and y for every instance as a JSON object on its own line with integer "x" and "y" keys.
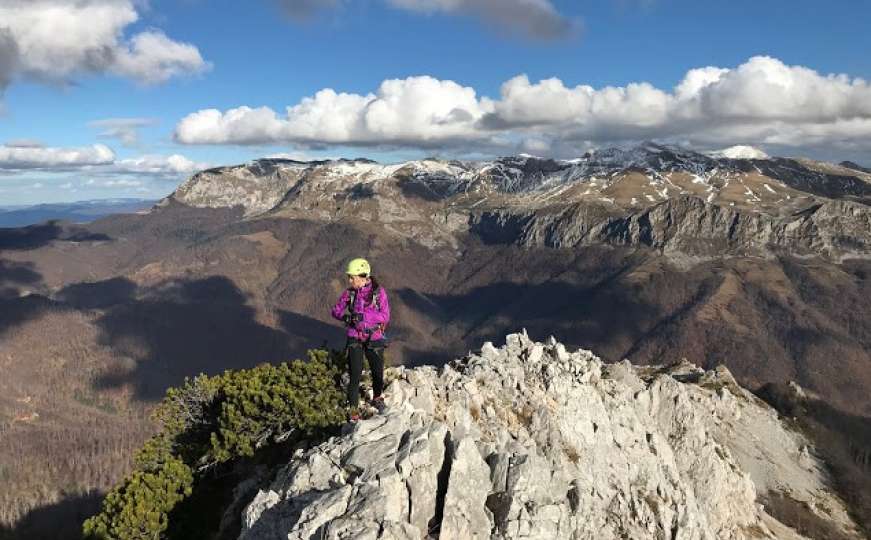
{"x": 257, "y": 187}
{"x": 532, "y": 441}
{"x": 834, "y": 229}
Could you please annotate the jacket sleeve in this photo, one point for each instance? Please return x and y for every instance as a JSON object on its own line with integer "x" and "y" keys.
{"x": 340, "y": 307}
{"x": 372, "y": 315}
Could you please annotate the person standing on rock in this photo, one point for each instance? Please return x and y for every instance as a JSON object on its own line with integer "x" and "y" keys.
{"x": 364, "y": 309}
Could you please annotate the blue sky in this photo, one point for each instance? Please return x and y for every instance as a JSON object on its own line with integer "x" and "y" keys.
{"x": 77, "y": 123}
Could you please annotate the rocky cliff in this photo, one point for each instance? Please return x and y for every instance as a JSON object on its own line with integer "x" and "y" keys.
{"x": 674, "y": 200}
{"x": 533, "y": 441}
{"x": 688, "y": 225}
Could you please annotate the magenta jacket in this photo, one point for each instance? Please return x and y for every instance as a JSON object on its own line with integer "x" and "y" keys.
{"x": 376, "y": 315}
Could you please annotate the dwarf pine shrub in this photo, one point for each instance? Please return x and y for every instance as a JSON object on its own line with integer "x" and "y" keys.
{"x": 139, "y": 508}
{"x": 272, "y": 401}
{"x": 212, "y": 420}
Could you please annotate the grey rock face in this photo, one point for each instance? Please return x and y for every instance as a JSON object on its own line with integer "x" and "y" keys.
{"x": 533, "y": 441}
{"x": 257, "y": 188}
{"x": 465, "y": 513}
{"x": 834, "y": 229}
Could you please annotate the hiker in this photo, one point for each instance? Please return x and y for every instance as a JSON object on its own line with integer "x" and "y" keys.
{"x": 364, "y": 309}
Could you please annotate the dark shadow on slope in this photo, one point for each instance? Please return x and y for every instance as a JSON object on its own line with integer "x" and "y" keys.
{"x": 591, "y": 316}
{"x": 31, "y": 237}
{"x": 101, "y": 294}
{"x": 17, "y": 303}
{"x": 35, "y": 236}
{"x": 799, "y": 516}
{"x": 431, "y": 189}
{"x": 15, "y": 311}
{"x": 308, "y": 333}
{"x": 53, "y": 520}
{"x": 15, "y": 275}
{"x": 182, "y": 328}
{"x": 84, "y": 236}
{"x": 16, "y": 308}
{"x": 498, "y": 227}
{"x": 794, "y": 174}
{"x": 21, "y": 285}
{"x": 841, "y": 439}
{"x": 356, "y": 192}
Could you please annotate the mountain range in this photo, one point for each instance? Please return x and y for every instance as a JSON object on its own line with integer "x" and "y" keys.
{"x": 649, "y": 253}
{"x": 666, "y": 198}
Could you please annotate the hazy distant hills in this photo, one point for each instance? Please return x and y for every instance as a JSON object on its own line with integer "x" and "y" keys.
{"x": 76, "y": 212}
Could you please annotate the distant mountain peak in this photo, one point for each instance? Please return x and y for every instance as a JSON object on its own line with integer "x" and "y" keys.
{"x": 740, "y": 152}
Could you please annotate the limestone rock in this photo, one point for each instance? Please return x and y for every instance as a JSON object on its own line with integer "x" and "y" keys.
{"x": 533, "y": 441}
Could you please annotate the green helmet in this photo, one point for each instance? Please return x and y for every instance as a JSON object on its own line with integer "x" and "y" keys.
{"x": 358, "y": 267}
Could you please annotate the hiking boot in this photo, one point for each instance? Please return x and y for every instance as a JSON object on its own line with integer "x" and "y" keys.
{"x": 378, "y": 403}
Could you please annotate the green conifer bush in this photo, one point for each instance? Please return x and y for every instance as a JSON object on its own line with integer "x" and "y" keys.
{"x": 212, "y": 420}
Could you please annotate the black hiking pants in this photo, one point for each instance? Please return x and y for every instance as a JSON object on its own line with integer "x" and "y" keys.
{"x": 374, "y": 353}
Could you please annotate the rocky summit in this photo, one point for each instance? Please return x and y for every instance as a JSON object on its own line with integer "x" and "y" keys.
{"x": 533, "y": 441}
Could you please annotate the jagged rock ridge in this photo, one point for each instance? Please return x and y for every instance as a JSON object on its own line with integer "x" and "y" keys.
{"x": 532, "y": 441}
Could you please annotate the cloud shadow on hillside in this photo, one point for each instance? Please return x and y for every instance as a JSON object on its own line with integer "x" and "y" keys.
{"x": 595, "y": 316}
{"x": 15, "y": 275}
{"x": 36, "y": 236}
{"x": 307, "y": 332}
{"x": 181, "y": 328}
{"x": 20, "y": 282}
{"x": 59, "y": 521}
{"x": 17, "y": 305}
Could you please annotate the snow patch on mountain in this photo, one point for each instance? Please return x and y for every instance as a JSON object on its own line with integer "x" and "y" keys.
{"x": 740, "y": 152}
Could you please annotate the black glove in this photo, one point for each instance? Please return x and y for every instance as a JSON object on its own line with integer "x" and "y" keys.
{"x": 351, "y": 319}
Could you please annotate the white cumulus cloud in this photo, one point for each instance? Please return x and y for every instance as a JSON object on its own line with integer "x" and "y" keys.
{"x": 41, "y": 157}
{"x": 766, "y": 88}
{"x": 154, "y": 58}
{"x": 91, "y": 171}
{"x": 414, "y": 111}
{"x": 760, "y": 102}
{"x": 121, "y": 183}
{"x": 174, "y": 165}
{"x": 57, "y": 40}
{"x": 96, "y": 161}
